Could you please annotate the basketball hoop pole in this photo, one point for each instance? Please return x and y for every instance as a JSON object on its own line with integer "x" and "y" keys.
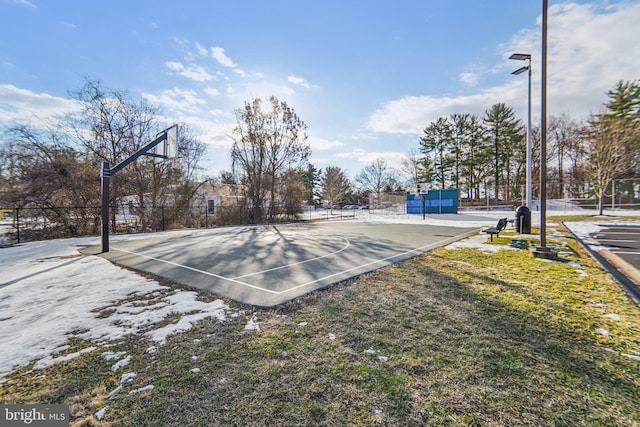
{"x": 106, "y": 173}
{"x": 105, "y": 176}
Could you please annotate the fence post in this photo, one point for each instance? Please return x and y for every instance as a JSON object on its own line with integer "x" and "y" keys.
{"x": 18, "y": 224}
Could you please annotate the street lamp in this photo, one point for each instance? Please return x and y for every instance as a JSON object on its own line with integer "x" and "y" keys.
{"x": 543, "y": 251}
{"x": 526, "y": 57}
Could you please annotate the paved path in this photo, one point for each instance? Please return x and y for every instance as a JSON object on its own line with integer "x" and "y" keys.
{"x": 617, "y": 248}
{"x": 621, "y": 240}
{"x": 269, "y": 265}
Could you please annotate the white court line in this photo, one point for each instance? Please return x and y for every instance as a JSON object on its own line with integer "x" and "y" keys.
{"x": 299, "y": 262}
{"x": 363, "y": 265}
{"x": 217, "y": 276}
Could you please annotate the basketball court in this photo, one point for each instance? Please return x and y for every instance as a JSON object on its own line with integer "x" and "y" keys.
{"x": 269, "y": 265}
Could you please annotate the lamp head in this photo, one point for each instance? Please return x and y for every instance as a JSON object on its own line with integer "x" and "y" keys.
{"x": 520, "y": 56}
{"x": 520, "y": 70}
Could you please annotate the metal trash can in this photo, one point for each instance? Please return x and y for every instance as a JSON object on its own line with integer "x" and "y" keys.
{"x": 522, "y": 222}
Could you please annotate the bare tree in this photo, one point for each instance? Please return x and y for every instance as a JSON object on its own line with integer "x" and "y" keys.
{"x": 110, "y": 127}
{"x": 45, "y": 175}
{"x": 412, "y": 166}
{"x": 610, "y": 139}
{"x": 267, "y": 143}
{"x": 564, "y": 132}
{"x": 375, "y": 177}
{"x": 182, "y": 178}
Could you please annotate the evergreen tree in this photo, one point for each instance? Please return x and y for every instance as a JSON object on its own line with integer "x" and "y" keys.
{"x": 436, "y": 143}
{"x": 310, "y": 179}
{"x": 506, "y": 138}
{"x": 474, "y": 156}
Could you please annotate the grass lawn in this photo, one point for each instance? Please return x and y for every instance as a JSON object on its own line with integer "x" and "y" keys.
{"x": 460, "y": 337}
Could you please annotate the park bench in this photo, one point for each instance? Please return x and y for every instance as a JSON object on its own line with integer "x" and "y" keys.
{"x": 501, "y": 225}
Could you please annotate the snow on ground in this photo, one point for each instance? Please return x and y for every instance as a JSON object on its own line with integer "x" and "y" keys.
{"x": 49, "y": 293}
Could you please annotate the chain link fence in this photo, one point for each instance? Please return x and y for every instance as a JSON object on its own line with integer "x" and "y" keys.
{"x": 43, "y": 223}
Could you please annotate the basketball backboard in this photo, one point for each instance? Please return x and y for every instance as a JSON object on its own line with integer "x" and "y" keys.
{"x": 167, "y": 149}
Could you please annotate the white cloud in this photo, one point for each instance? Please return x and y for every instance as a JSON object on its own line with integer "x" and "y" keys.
{"x": 212, "y": 91}
{"x": 260, "y": 89}
{"x": 202, "y": 51}
{"x": 469, "y": 79}
{"x": 217, "y": 112}
{"x": 193, "y": 72}
{"x": 176, "y": 100}
{"x": 393, "y": 158}
{"x": 26, "y": 3}
{"x": 27, "y": 107}
{"x": 590, "y": 48}
{"x": 298, "y": 81}
{"x": 218, "y": 54}
{"x": 411, "y": 114}
{"x": 323, "y": 144}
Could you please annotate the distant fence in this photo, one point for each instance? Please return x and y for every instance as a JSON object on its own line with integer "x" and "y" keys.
{"x": 43, "y": 223}
{"x": 555, "y": 205}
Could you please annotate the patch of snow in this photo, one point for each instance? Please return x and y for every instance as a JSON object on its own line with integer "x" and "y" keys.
{"x": 110, "y": 355}
{"x": 128, "y": 377}
{"x": 121, "y": 363}
{"x": 195, "y": 370}
{"x": 631, "y": 356}
{"x": 252, "y": 324}
{"x": 50, "y": 361}
{"x": 49, "y": 292}
{"x": 186, "y": 302}
{"x": 613, "y": 316}
{"x": 100, "y": 414}
{"x": 142, "y": 389}
{"x": 484, "y": 247}
{"x": 114, "y": 391}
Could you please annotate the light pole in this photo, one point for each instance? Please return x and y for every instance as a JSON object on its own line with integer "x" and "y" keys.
{"x": 526, "y": 57}
{"x": 543, "y": 251}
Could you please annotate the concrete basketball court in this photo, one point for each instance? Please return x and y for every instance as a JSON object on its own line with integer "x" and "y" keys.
{"x": 269, "y": 265}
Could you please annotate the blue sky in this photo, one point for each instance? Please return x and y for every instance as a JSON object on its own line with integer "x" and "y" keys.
{"x": 366, "y": 76}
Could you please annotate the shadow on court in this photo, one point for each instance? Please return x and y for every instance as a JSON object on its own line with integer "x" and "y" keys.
{"x": 269, "y": 265}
